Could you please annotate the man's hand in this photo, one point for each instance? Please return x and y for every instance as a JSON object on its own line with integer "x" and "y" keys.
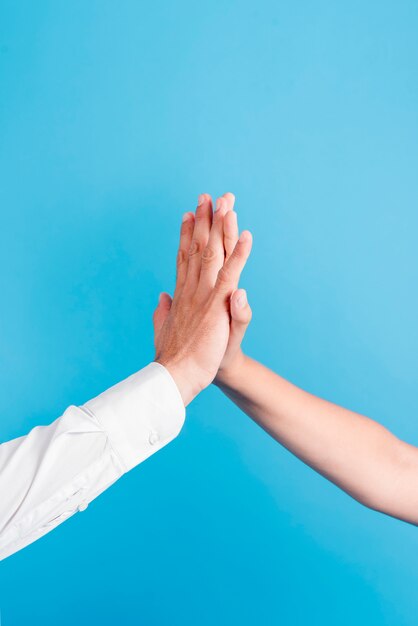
{"x": 192, "y": 330}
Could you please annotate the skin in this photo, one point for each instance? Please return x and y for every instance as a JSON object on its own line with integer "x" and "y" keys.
{"x": 192, "y": 330}
{"x": 356, "y": 453}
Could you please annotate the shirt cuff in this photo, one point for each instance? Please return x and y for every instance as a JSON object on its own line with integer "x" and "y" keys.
{"x": 141, "y": 414}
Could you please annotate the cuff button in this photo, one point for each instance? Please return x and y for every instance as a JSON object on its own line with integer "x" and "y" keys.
{"x": 154, "y": 437}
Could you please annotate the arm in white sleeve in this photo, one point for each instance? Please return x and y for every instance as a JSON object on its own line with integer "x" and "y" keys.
{"x": 56, "y": 470}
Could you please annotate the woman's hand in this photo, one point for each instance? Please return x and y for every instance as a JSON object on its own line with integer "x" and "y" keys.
{"x": 240, "y": 310}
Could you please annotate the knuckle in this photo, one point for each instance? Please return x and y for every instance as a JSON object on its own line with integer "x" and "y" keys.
{"x": 224, "y": 276}
{"x": 237, "y": 253}
{"x": 195, "y": 247}
{"x": 181, "y": 258}
{"x": 208, "y": 255}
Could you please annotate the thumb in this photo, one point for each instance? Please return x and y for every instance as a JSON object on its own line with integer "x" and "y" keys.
{"x": 240, "y": 318}
{"x": 161, "y": 312}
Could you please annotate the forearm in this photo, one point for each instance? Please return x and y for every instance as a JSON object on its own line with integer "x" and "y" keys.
{"x": 56, "y": 470}
{"x": 353, "y": 451}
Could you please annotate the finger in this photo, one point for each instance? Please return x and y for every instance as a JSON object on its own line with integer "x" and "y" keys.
{"x": 186, "y": 234}
{"x": 230, "y": 233}
{"x": 228, "y": 275}
{"x": 161, "y": 312}
{"x": 203, "y": 222}
{"x": 230, "y": 200}
{"x": 240, "y": 318}
{"x": 213, "y": 255}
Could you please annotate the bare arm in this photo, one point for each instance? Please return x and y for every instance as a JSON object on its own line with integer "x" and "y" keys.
{"x": 354, "y": 452}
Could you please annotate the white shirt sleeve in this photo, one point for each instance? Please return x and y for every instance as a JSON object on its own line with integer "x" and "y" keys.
{"x": 56, "y": 470}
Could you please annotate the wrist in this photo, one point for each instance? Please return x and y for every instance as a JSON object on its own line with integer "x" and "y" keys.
{"x": 229, "y": 374}
{"x": 184, "y": 381}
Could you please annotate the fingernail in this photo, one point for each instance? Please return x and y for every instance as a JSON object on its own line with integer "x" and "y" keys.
{"x": 186, "y": 216}
{"x": 242, "y": 300}
{"x": 218, "y": 204}
{"x": 160, "y": 297}
{"x": 244, "y": 236}
{"x": 201, "y": 199}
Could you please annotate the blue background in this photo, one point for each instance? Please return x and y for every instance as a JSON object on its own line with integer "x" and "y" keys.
{"x": 113, "y": 117}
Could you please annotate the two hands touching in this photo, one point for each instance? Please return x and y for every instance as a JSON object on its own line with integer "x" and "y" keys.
{"x": 56, "y": 470}
{"x": 198, "y": 332}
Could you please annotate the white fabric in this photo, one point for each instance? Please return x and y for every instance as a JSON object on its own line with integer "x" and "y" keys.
{"x": 56, "y": 470}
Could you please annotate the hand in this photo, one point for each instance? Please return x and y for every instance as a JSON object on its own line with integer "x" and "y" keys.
{"x": 240, "y": 310}
{"x": 192, "y": 329}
